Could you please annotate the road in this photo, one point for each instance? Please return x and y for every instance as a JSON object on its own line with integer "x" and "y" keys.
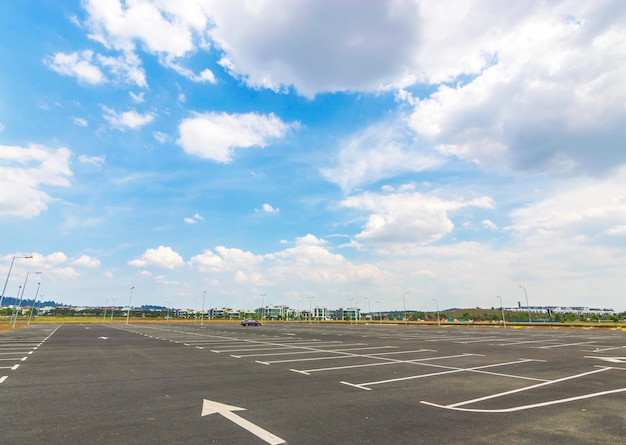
{"x": 310, "y": 384}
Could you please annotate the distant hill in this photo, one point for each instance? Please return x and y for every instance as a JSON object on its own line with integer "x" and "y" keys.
{"x": 12, "y": 301}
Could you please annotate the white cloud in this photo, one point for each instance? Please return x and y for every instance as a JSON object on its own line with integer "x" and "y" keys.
{"x": 377, "y": 152}
{"x": 205, "y": 76}
{"x": 160, "y": 136}
{"x": 163, "y": 257}
{"x": 362, "y": 46}
{"x": 86, "y": 261}
{"x": 582, "y": 212}
{"x": 160, "y": 27}
{"x": 194, "y": 219}
{"x": 137, "y": 97}
{"x": 617, "y": 230}
{"x": 534, "y": 106}
{"x": 25, "y": 172}
{"x": 225, "y": 259}
{"x": 489, "y": 224}
{"x": 215, "y": 135}
{"x": 128, "y": 119}
{"x": 81, "y": 122}
{"x": 126, "y": 69}
{"x": 77, "y": 65}
{"x": 407, "y": 217}
{"x": 95, "y": 161}
{"x": 267, "y": 208}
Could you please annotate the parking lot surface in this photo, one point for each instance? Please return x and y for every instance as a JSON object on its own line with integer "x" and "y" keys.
{"x": 311, "y": 383}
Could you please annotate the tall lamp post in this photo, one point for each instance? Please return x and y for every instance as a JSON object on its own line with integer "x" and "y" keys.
{"x": 350, "y": 300}
{"x": 8, "y": 275}
{"x": 202, "y": 314}
{"x": 502, "y": 309}
{"x": 404, "y": 302}
{"x": 369, "y": 309}
{"x": 129, "y": 300}
{"x": 527, "y": 306}
{"x": 167, "y": 309}
{"x": 22, "y": 296}
{"x": 113, "y": 308}
{"x": 104, "y": 317}
{"x": 438, "y": 318}
{"x": 32, "y": 309}
{"x": 380, "y": 312}
{"x": 263, "y": 306}
{"x": 310, "y": 307}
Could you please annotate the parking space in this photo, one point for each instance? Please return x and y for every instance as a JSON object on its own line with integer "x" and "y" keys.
{"x": 501, "y": 364}
{"x": 16, "y": 346}
{"x": 368, "y": 383}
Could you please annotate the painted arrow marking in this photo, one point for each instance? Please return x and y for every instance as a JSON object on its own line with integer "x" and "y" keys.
{"x": 209, "y": 407}
{"x": 104, "y": 338}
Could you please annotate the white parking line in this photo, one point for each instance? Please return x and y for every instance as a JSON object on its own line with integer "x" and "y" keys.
{"x": 455, "y": 406}
{"x": 482, "y": 340}
{"x": 313, "y": 351}
{"x": 450, "y": 371}
{"x": 388, "y": 362}
{"x": 527, "y": 341}
{"x": 562, "y": 345}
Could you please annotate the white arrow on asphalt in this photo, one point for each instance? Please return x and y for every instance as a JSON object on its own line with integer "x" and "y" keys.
{"x": 209, "y": 407}
{"x": 104, "y": 338}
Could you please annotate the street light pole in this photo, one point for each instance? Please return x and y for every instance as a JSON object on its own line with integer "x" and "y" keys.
{"x": 129, "y": 300}
{"x": 22, "y": 296}
{"x": 438, "y": 318}
{"x": 32, "y": 309}
{"x": 527, "y": 306}
{"x": 502, "y": 308}
{"x": 8, "y": 275}
{"x": 310, "y": 307}
{"x": 262, "y": 306}
{"x": 380, "y": 312}
{"x": 167, "y": 309}
{"x": 202, "y": 314}
{"x": 104, "y": 317}
{"x": 404, "y": 301}
{"x": 113, "y": 308}
{"x": 350, "y": 300}
{"x": 369, "y": 309}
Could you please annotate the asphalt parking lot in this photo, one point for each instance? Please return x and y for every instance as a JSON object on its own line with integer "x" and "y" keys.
{"x": 313, "y": 383}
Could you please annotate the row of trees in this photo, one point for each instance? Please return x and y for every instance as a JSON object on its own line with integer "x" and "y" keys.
{"x": 463, "y": 315}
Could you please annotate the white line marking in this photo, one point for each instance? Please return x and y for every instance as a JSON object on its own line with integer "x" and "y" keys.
{"x": 609, "y": 359}
{"x": 3, "y": 378}
{"x": 390, "y": 362}
{"x": 524, "y": 407}
{"x": 566, "y": 344}
{"x": 356, "y": 385}
{"x": 539, "y": 385}
{"x": 527, "y": 341}
{"x": 450, "y": 371}
{"x": 312, "y": 351}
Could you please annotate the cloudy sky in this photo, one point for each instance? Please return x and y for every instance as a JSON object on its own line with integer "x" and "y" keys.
{"x": 454, "y": 150}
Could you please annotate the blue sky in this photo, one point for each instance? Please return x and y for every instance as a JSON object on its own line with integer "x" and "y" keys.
{"x": 454, "y": 150}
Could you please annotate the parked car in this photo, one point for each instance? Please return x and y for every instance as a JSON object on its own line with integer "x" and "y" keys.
{"x": 250, "y": 322}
